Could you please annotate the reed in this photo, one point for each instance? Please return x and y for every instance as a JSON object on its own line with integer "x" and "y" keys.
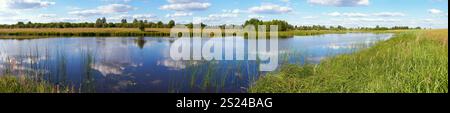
{"x": 13, "y": 84}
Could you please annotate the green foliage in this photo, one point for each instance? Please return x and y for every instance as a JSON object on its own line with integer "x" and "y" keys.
{"x": 282, "y": 25}
{"x": 99, "y": 23}
{"x": 171, "y": 24}
{"x": 141, "y": 27}
{"x": 411, "y": 62}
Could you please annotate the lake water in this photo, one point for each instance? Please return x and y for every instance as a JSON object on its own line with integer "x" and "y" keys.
{"x": 133, "y": 64}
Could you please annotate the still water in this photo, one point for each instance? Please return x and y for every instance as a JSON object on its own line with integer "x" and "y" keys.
{"x": 143, "y": 64}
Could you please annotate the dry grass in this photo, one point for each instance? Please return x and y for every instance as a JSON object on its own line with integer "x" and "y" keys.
{"x": 439, "y": 35}
{"x": 81, "y": 30}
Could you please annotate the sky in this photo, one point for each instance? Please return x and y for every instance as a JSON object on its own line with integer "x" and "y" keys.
{"x": 349, "y": 13}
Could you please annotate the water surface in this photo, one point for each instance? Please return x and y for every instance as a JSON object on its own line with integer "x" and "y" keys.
{"x": 143, "y": 64}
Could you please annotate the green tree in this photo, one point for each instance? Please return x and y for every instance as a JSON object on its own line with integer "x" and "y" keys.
{"x": 141, "y": 27}
{"x": 160, "y": 24}
{"x": 171, "y": 24}
{"x": 98, "y": 23}
{"x": 123, "y": 21}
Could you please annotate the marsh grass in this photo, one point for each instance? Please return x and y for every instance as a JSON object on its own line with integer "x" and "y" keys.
{"x": 13, "y": 84}
{"x": 84, "y": 32}
{"x": 410, "y": 62}
{"x": 25, "y": 33}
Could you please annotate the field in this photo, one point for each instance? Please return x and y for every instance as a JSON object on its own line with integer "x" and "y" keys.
{"x": 410, "y": 62}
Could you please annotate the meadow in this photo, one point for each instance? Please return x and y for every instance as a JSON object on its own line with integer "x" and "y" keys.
{"x": 410, "y": 62}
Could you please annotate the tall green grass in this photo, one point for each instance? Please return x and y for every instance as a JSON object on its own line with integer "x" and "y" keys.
{"x": 410, "y": 62}
{"x": 12, "y": 84}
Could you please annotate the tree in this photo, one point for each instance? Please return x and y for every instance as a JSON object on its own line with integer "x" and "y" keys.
{"x": 282, "y": 25}
{"x": 103, "y": 20}
{"x": 98, "y": 23}
{"x": 160, "y": 24}
{"x": 142, "y": 27}
{"x": 171, "y": 24}
{"x": 135, "y": 23}
{"x": 20, "y": 24}
{"x": 123, "y": 21}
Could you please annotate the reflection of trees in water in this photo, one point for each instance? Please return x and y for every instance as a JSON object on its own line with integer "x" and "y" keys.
{"x": 140, "y": 42}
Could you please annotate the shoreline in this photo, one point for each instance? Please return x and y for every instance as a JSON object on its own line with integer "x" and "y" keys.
{"x": 157, "y": 32}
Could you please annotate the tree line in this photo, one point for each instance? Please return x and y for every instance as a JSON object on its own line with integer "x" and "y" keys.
{"x": 142, "y": 24}
{"x": 99, "y": 23}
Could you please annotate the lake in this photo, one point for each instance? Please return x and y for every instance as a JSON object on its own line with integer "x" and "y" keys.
{"x": 143, "y": 64}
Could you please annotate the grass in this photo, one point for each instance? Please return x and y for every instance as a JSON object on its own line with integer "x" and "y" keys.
{"x": 410, "y": 62}
{"x": 19, "y": 33}
{"x": 11, "y": 84}
{"x": 85, "y": 32}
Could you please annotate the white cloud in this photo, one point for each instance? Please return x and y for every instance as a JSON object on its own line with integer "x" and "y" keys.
{"x": 355, "y": 14}
{"x": 144, "y": 17}
{"x": 256, "y": 16}
{"x": 116, "y": 8}
{"x": 117, "y": 1}
{"x": 380, "y": 14}
{"x": 285, "y": 1}
{"x": 334, "y": 14}
{"x": 106, "y": 9}
{"x": 348, "y": 14}
{"x": 149, "y": 17}
{"x": 46, "y": 15}
{"x": 340, "y": 3}
{"x": 194, "y": 6}
{"x": 185, "y": 1}
{"x": 91, "y": 12}
{"x": 372, "y": 20}
{"x": 226, "y": 14}
{"x": 434, "y": 11}
{"x": 270, "y": 9}
{"x": 179, "y": 14}
{"x": 309, "y": 17}
{"x": 7, "y": 13}
{"x": 186, "y": 5}
{"x": 236, "y": 11}
{"x": 223, "y": 15}
{"x": 24, "y": 4}
{"x": 389, "y": 14}
{"x": 70, "y": 19}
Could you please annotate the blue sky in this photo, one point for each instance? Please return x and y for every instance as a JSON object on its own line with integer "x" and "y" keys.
{"x": 350, "y": 13}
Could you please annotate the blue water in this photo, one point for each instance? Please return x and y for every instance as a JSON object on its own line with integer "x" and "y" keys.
{"x": 143, "y": 65}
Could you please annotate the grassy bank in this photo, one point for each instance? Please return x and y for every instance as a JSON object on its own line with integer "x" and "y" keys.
{"x": 27, "y": 32}
{"x": 85, "y": 32}
{"x": 11, "y": 84}
{"x": 410, "y": 62}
